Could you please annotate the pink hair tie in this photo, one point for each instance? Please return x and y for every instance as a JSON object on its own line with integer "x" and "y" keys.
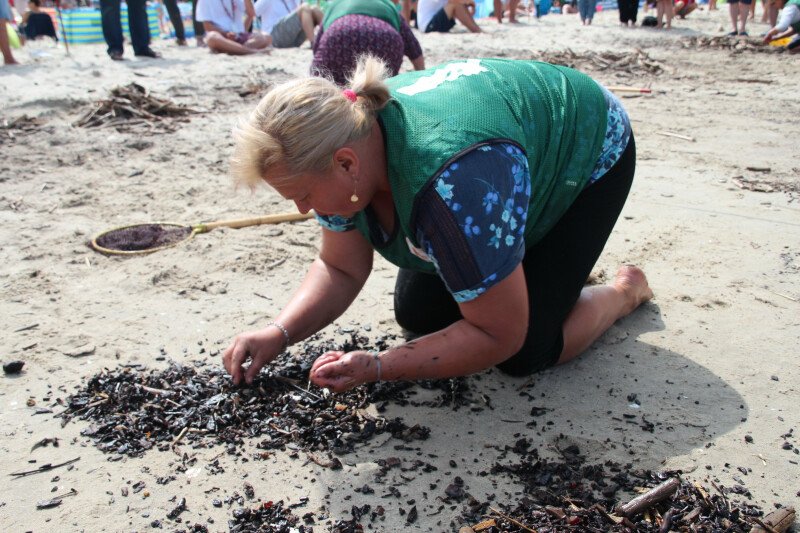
{"x": 350, "y": 95}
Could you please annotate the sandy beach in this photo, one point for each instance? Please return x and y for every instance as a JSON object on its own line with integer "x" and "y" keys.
{"x": 713, "y": 218}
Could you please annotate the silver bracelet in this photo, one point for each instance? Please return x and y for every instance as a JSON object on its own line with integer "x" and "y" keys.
{"x": 286, "y": 340}
{"x": 377, "y": 356}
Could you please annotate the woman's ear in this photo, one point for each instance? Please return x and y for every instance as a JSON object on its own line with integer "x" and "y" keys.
{"x": 346, "y": 159}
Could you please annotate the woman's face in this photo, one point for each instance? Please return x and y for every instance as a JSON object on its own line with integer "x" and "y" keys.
{"x": 327, "y": 194}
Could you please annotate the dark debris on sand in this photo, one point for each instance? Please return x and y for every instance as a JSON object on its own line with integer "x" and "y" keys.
{"x": 571, "y": 495}
{"x": 132, "y": 409}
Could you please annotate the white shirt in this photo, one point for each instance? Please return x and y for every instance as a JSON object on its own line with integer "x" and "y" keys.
{"x": 228, "y": 15}
{"x": 271, "y": 11}
{"x": 426, "y": 9}
{"x": 789, "y": 15}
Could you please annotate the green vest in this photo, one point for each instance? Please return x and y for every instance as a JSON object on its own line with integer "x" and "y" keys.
{"x": 380, "y": 9}
{"x": 555, "y": 114}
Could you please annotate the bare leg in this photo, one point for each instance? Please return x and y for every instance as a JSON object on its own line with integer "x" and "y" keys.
{"x": 461, "y": 14}
{"x": 744, "y": 11}
{"x": 5, "y": 46}
{"x": 712, "y": 5}
{"x": 599, "y": 307}
{"x": 498, "y": 10}
{"x": 310, "y": 18}
{"x": 669, "y": 11}
{"x": 660, "y": 13}
{"x": 734, "y": 11}
{"x": 218, "y": 43}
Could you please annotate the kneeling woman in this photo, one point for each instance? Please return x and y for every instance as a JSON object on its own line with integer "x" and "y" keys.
{"x": 353, "y": 28}
{"x": 493, "y": 185}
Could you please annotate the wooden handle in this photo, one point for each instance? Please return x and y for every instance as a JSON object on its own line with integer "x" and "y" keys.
{"x": 245, "y": 222}
{"x": 641, "y": 90}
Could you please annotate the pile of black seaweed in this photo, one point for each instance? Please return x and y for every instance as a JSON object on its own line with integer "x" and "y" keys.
{"x": 571, "y": 495}
{"x": 132, "y": 409}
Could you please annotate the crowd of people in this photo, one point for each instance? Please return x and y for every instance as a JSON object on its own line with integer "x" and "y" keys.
{"x": 230, "y": 26}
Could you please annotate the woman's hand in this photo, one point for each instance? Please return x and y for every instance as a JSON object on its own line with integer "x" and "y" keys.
{"x": 262, "y": 346}
{"x": 340, "y": 371}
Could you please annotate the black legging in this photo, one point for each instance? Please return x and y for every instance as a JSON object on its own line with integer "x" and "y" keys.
{"x": 556, "y": 269}
{"x": 175, "y": 18}
{"x": 628, "y": 9}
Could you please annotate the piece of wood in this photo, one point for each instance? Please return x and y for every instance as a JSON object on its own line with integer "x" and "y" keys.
{"x": 649, "y": 499}
{"x": 778, "y": 520}
{"x": 676, "y": 135}
{"x": 640, "y": 90}
{"x": 516, "y": 523}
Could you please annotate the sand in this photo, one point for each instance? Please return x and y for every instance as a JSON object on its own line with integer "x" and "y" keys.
{"x": 712, "y": 359}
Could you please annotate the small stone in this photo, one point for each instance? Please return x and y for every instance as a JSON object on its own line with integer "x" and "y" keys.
{"x": 748, "y": 439}
{"x": 13, "y": 367}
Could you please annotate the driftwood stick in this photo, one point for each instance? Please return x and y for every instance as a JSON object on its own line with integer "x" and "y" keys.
{"x": 667, "y": 521}
{"x": 43, "y": 468}
{"x": 778, "y": 521}
{"x": 676, "y": 135}
{"x": 649, "y": 498}
{"x": 506, "y": 517}
{"x": 151, "y": 390}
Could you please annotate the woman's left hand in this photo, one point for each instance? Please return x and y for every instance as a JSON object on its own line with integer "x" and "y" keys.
{"x": 340, "y": 371}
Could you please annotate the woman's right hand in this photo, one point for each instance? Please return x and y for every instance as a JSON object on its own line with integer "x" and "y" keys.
{"x": 261, "y": 346}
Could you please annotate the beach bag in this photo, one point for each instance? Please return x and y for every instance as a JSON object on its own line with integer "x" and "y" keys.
{"x": 650, "y": 21}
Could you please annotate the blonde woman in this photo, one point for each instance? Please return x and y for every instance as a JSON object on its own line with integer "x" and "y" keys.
{"x": 493, "y": 185}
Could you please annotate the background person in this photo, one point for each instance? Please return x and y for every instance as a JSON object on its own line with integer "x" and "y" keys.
{"x": 586, "y": 9}
{"x": 225, "y": 23}
{"x": 110, "y": 13}
{"x": 789, "y": 19}
{"x": 683, "y": 7}
{"x": 458, "y": 174}
{"x": 739, "y": 11}
{"x": 6, "y": 17}
{"x": 352, "y": 28}
{"x": 289, "y": 22}
{"x": 35, "y": 23}
{"x": 441, "y": 15}
{"x": 628, "y": 10}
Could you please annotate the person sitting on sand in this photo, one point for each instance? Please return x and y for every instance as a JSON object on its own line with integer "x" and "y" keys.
{"x": 684, "y": 7}
{"x": 787, "y": 25}
{"x": 289, "y": 22}
{"x": 37, "y": 24}
{"x": 493, "y": 184}
{"x": 227, "y": 23}
{"x": 352, "y": 28}
{"x": 441, "y": 15}
{"x": 570, "y": 8}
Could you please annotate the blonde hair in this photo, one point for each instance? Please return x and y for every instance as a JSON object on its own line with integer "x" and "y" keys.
{"x": 301, "y": 123}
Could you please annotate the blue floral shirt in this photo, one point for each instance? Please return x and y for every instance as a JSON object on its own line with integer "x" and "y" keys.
{"x": 471, "y": 223}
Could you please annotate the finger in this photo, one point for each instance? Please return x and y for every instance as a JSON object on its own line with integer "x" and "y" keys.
{"x": 226, "y": 358}
{"x": 254, "y": 368}
{"x": 325, "y": 358}
{"x": 238, "y": 358}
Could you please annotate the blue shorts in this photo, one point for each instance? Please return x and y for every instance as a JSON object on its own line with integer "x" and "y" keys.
{"x": 440, "y": 23}
{"x": 5, "y": 11}
{"x": 746, "y": 2}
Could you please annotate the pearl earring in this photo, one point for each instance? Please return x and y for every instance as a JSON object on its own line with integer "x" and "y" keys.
{"x": 354, "y": 198}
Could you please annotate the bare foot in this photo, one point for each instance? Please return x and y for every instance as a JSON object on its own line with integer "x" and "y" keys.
{"x": 631, "y": 281}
